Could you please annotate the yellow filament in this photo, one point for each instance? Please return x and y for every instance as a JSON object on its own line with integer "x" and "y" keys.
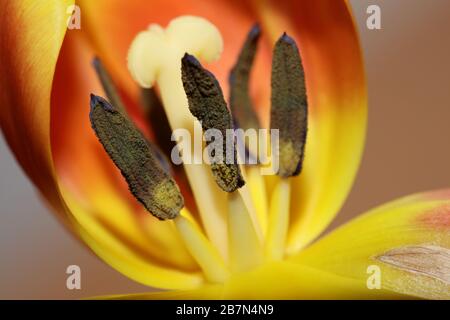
{"x": 202, "y": 250}
{"x": 250, "y": 202}
{"x": 278, "y": 220}
{"x": 245, "y": 247}
{"x": 251, "y": 210}
{"x": 257, "y": 187}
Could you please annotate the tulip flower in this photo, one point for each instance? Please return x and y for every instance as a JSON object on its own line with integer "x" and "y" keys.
{"x": 207, "y": 237}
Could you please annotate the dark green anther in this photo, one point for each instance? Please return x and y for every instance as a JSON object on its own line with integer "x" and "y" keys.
{"x": 240, "y": 102}
{"x": 207, "y": 104}
{"x": 129, "y": 150}
{"x": 158, "y": 121}
{"x": 115, "y": 99}
{"x": 289, "y": 111}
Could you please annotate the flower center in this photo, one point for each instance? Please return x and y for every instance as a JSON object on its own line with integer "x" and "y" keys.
{"x": 242, "y": 229}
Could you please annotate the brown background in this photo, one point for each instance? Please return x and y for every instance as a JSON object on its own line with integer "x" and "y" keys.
{"x": 407, "y": 151}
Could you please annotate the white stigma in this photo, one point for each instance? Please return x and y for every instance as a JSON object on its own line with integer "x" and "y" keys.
{"x": 156, "y": 48}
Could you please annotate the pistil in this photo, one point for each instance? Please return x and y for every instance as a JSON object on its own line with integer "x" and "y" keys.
{"x": 155, "y": 58}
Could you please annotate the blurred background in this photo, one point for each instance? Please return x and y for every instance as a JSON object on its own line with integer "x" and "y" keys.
{"x": 407, "y": 151}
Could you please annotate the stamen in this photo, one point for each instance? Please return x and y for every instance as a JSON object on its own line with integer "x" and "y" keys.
{"x": 289, "y": 109}
{"x": 147, "y": 180}
{"x": 240, "y": 102}
{"x": 289, "y": 113}
{"x": 207, "y": 104}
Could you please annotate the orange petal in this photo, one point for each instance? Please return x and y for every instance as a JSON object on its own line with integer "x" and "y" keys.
{"x": 27, "y": 64}
{"x": 54, "y": 146}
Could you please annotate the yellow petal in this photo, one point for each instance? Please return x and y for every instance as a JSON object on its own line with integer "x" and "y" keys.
{"x": 407, "y": 239}
{"x": 285, "y": 280}
{"x": 206, "y": 292}
{"x": 125, "y": 258}
{"x": 277, "y": 280}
